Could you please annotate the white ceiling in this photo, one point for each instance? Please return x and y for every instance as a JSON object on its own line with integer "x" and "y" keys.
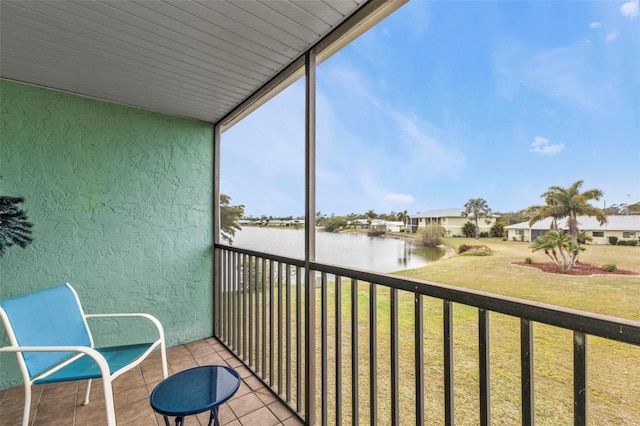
{"x": 196, "y": 59}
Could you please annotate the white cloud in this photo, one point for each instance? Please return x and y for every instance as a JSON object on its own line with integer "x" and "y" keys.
{"x": 595, "y": 25}
{"x": 399, "y": 198}
{"x": 630, "y": 9}
{"x": 613, "y": 35}
{"x": 543, "y": 146}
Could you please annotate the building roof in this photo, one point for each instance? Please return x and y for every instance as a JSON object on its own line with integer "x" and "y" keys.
{"x": 442, "y": 213}
{"x": 614, "y": 223}
{"x": 439, "y": 213}
{"x": 199, "y": 59}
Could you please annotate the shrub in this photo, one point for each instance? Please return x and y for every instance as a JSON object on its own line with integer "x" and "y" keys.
{"x": 469, "y": 229}
{"x": 609, "y": 267}
{"x": 497, "y": 230}
{"x": 463, "y": 248}
{"x": 484, "y": 235}
{"x": 528, "y": 260}
{"x": 627, "y": 243}
{"x": 613, "y": 240}
{"x": 468, "y": 250}
{"x": 431, "y": 235}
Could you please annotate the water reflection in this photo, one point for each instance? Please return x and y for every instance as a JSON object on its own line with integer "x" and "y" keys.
{"x": 356, "y": 251}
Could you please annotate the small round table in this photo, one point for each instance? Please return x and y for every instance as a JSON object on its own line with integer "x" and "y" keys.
{"x": 194, "y": 391}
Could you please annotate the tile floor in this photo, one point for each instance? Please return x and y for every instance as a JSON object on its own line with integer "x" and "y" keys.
{"x": 60, "y": 404}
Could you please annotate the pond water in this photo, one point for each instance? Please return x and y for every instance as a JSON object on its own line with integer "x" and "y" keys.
{"x": 377, "y": 254}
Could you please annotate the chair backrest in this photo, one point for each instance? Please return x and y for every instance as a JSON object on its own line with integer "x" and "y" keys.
{"x": 51, "y": 317}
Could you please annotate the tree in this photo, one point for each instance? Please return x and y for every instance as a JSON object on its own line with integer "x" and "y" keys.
{"x": 568, "y": 202}
{"x": 513, "y": 217}
{"x": 476, "y": 207}
{"x": 15, "y": 229}
{"x": 370, "y": 215}
{"x": 229, "y": 218}
{"x": 559, "y": 247}
{"x": 334, "y": 223}
{"x": 403, "y": 216}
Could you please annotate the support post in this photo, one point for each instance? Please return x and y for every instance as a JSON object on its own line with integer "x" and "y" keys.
{"x": 310, "y": 238}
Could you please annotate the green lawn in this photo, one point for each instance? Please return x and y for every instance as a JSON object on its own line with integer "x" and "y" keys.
{"x": 614, "y": 387}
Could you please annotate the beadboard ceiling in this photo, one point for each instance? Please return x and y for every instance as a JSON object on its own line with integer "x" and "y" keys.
{"x": 198, "y": 59}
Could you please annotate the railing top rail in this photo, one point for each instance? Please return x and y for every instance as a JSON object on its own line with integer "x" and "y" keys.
{"x": 269, "y": 256}
{"x": 618, "y": 329}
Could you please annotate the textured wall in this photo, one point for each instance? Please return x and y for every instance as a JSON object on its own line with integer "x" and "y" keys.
{"x": 120, "y": 199}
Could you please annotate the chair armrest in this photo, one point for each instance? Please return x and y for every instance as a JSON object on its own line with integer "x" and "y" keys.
{"x": 149, "y": 317}
{"x": 94, "y": 354}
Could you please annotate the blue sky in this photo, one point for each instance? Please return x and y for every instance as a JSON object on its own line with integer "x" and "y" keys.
{"x": 446, "y": 101}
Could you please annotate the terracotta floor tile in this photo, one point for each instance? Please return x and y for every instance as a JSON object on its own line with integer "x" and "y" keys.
{"x": 245, "y": 404}
{"x": 293, "y": 421}
{"x": 60, "y": 404}
{"x": 200, "y": 349}
{"x": 56, "y": 390}
{"x": 212, "y": 358}
{"x": 51, "y": 409}
{"x": 281, "y": 411}
{"x": 261, "y": 417}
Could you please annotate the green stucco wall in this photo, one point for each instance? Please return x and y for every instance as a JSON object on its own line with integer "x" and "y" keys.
{"x": 120, "y": 199}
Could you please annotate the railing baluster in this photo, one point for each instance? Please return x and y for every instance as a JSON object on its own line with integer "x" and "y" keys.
{"x": 485, "y": 372}
{"x": 223, "y": 295}
{"x": 243, "y": 283}
{"x": 299, "y": 344}
{"x": 258, "y": 283}
{"x": 526, "y": 368}
{"x": 287, "y": 321}
{"x": 324, "y": 367}
{"x": 251, "y": 285}
{"x": 355, "y": 402}
{"x": 395, "y": 365}
{"x": 419, "y": 358}
{"x": 448, "y": 362}
{"x": 280, "y": 331}
{"x": 579, "y": 379}
{"x": 264, "y": 318}
{"x": 234, "y": 300}
{"x": 271, "y": 322}
{"x": 217, "y": 283}
{"x": 373, "y": 353}
{"x": 338, "y": 300}
{"x": 228, "y": 298}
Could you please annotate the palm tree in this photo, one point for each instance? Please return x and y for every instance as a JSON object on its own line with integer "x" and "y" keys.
{"x": 569, "y": 202}
{"x": 403, "y": 216}
{"x": 559, "y": 247}
{"x": 476, "y": 207}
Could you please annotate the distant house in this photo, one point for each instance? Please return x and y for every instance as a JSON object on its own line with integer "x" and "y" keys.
{"x": 452, "y": 220}
{"x": 622, "y": 227}
{"x": 394, "y": 226}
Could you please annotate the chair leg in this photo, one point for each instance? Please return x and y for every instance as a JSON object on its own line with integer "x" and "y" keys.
{"x": 27, "y": 403}
{"x": 87, "y": 392}
{"x": 108, "y": 400}
{"x": 163, "y": 356}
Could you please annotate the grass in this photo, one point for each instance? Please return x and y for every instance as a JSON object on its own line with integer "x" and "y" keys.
{"x": 613, "y": 368}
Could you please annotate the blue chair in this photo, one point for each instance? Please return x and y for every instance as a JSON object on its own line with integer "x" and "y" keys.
{"x": 49, "y": 334}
